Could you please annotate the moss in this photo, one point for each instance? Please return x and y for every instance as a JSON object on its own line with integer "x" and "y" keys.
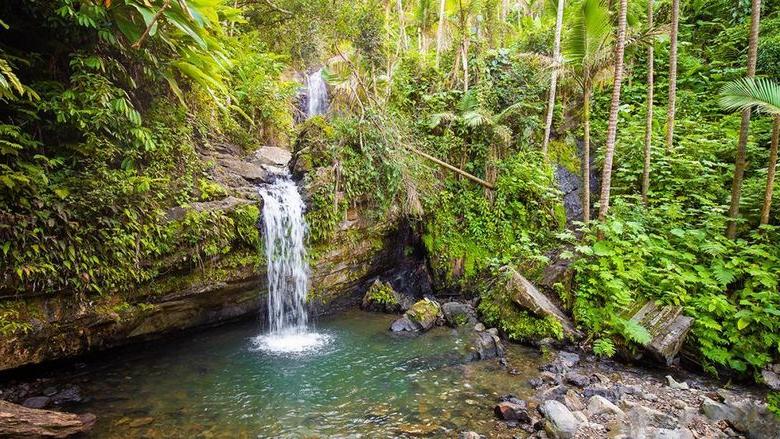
{"x": 425, "y": 310}
{"x": 500, "y": 311}
{"x": 382, "y": 293}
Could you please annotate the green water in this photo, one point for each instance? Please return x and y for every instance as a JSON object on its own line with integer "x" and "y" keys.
{"x": 366, "y": 382}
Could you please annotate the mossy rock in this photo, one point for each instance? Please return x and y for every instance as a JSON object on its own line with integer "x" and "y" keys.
{"x": 426, "y": 313}
{"x": 381, "y": 297}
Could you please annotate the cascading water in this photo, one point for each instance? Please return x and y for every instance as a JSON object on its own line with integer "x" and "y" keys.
{"x": 317, "y": 94}
{"x": 288, "y": 271}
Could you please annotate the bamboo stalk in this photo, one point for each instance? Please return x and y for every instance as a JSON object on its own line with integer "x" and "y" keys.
{"x": 450, "y": 167}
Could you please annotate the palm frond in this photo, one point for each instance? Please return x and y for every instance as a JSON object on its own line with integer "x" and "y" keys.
{"x": 745, "y": 93}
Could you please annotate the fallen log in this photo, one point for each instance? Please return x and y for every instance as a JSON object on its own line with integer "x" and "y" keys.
{"x": 22, "y": 422}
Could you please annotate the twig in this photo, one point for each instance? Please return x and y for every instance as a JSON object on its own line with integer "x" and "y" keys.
{"x": 148, "y": 29}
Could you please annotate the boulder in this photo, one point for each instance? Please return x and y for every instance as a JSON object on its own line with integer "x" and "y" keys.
{"x": 22, "y": 422}
{"x": 560, "y": 422}
{"x": 613, "y": 394}
{"x": 677, "y": 385}
{"x": 562, "y": 362}
{"x": 484, "y": 346}
{"x": 272, "y": 156}
{"x": 513, "y": 410}
{"x": 525, "y": 294}
{"x": 771, "y": 376}
{"x": 37, "y": 402}
{"x": 745, "y": 415}
{"x": 425, "y": 314}
{"x": 403, "y": 324}
{"x": 577, "y": 379}
{"x": 598, "y": 405}
{"x": 459, "y": 314}
{"x": 667, "y": 326}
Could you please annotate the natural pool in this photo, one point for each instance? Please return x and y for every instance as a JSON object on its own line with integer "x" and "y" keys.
{"x": 365, "y": 382}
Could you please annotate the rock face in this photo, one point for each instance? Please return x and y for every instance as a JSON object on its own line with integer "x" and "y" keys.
{"x": 22, "y": 422}
{"x": 525, "y": 294}
{"x": 668, "y": 327}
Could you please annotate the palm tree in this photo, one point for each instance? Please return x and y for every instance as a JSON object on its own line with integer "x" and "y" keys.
{"x": 671, "y": 108}
{"x": 649, "y": 119}
{"x": 763, "y": 94}
{"x": 589, "y": 55}
{"x": 553, "y": 77}
{"x": 609, "y": 147}
{"x": 739, "y": 163}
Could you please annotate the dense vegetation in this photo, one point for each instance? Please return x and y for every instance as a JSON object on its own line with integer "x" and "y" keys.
{"x": 104, "y": 128}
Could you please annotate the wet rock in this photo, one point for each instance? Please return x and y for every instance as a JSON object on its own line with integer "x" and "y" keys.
{"x": 459, "y": 314}
{"x": 577, "y": 379}
{"x": 479, "y": 327}
{"x": 403, "y": 324}
{"x": 425, "y": 314}
{"x": 420, "y": 430}
{"x": 535, "y": 383}
{"x": 560, "y": 422}
{"x": 37, "y": 402}
{"x": 20, "y": 422}
{"x": 613, "y": 394}
{"x": 484, "y": 346}
{"x": 668, "y": 327}
{"x": 493, "y": 331}
{"x": 513, "y": 410}
{"x": 557, "y": 393}
{"x": 675, "y": 385}
{"x": 140, "y": 422}
{"x": 562, "y": 362}
{"x": 68, "y": 395}
{"x": 598, "y": 405}
{"x": 746, "y": 416}
{"x": 469, "y": 435}
{"x": 525, "y": 294}
{"x": 49, "y": 391}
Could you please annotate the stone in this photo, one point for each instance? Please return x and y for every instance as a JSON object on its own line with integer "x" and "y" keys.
{"x": 679, "y": 404}
{"x": 425, "y": 314}
{"x": 771, "y": 376}
{"x": 20, "y": 422}
{"x": 650, "y": 397}
{"x": 403, "y": 324}
{"x": 525, "y": 294}
{"x": 668, "y": 328}
{"x": 666, "y": 433}
{"x": 646, "y": 416}
{"x": 535, "y": 383}
{"x": 469, "y": 435}
{"x": 613, "y": 394}
{"x": 562, "y": 363}
{"x": 598, "y": 405}
{"x": 580, "y": 416}
{"x": 676, "y": 385}
{"x": 573, "y": 401}
{"x": 560, "y": 422}
{"x": 479, "y": 327}
{"x": 745, "y": 415}
{"x": 272, "y": 156}
{"x": 247, "y": 170}
{"x": 557, "y": 393}
{"x": 516, "y": 410}
{"x": 493, "y": 331}
{"x": 577, "y": 379}
{"x": 459, "y": 314}
{"x": 484, "y": 346}
{"x": 37, "y": 402}
{"x": 68, "y": 395}
{"x": 140, "y": 422}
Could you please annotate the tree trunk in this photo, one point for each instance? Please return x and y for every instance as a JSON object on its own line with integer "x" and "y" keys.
{"x": 770, "y": 175}
{"x": 586, "y": 152}
{"x": 649, "y": 120}
{"x": 440, "y": 31}
{"x": 739, "y": 163}
{"x": 609, "y": 148}
{"x": 401, "y": 25}
{"x": 671, "y": 108}
{"x": 553, "y": 78}
{"x": 21, "y": 422}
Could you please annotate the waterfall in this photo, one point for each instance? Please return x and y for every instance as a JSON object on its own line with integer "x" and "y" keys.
{"x": 317, "y": 94}
{"x": 284, "y": 230}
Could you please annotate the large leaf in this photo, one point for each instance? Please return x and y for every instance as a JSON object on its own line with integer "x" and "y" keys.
{"x": 741, "y": 94}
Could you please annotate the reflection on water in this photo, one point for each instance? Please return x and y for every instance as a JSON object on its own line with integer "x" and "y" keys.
{"x": 364, "y": 382}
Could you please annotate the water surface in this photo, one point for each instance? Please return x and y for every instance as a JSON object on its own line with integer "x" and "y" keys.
{"x": 365, "y": 382}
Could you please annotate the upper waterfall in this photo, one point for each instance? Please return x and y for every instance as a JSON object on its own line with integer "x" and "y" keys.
{"x": 317, "y": 94}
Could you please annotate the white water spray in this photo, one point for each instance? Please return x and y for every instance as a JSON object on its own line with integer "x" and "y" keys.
{"x": 317, "y": 94}
{"x": 288, "y": 271}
